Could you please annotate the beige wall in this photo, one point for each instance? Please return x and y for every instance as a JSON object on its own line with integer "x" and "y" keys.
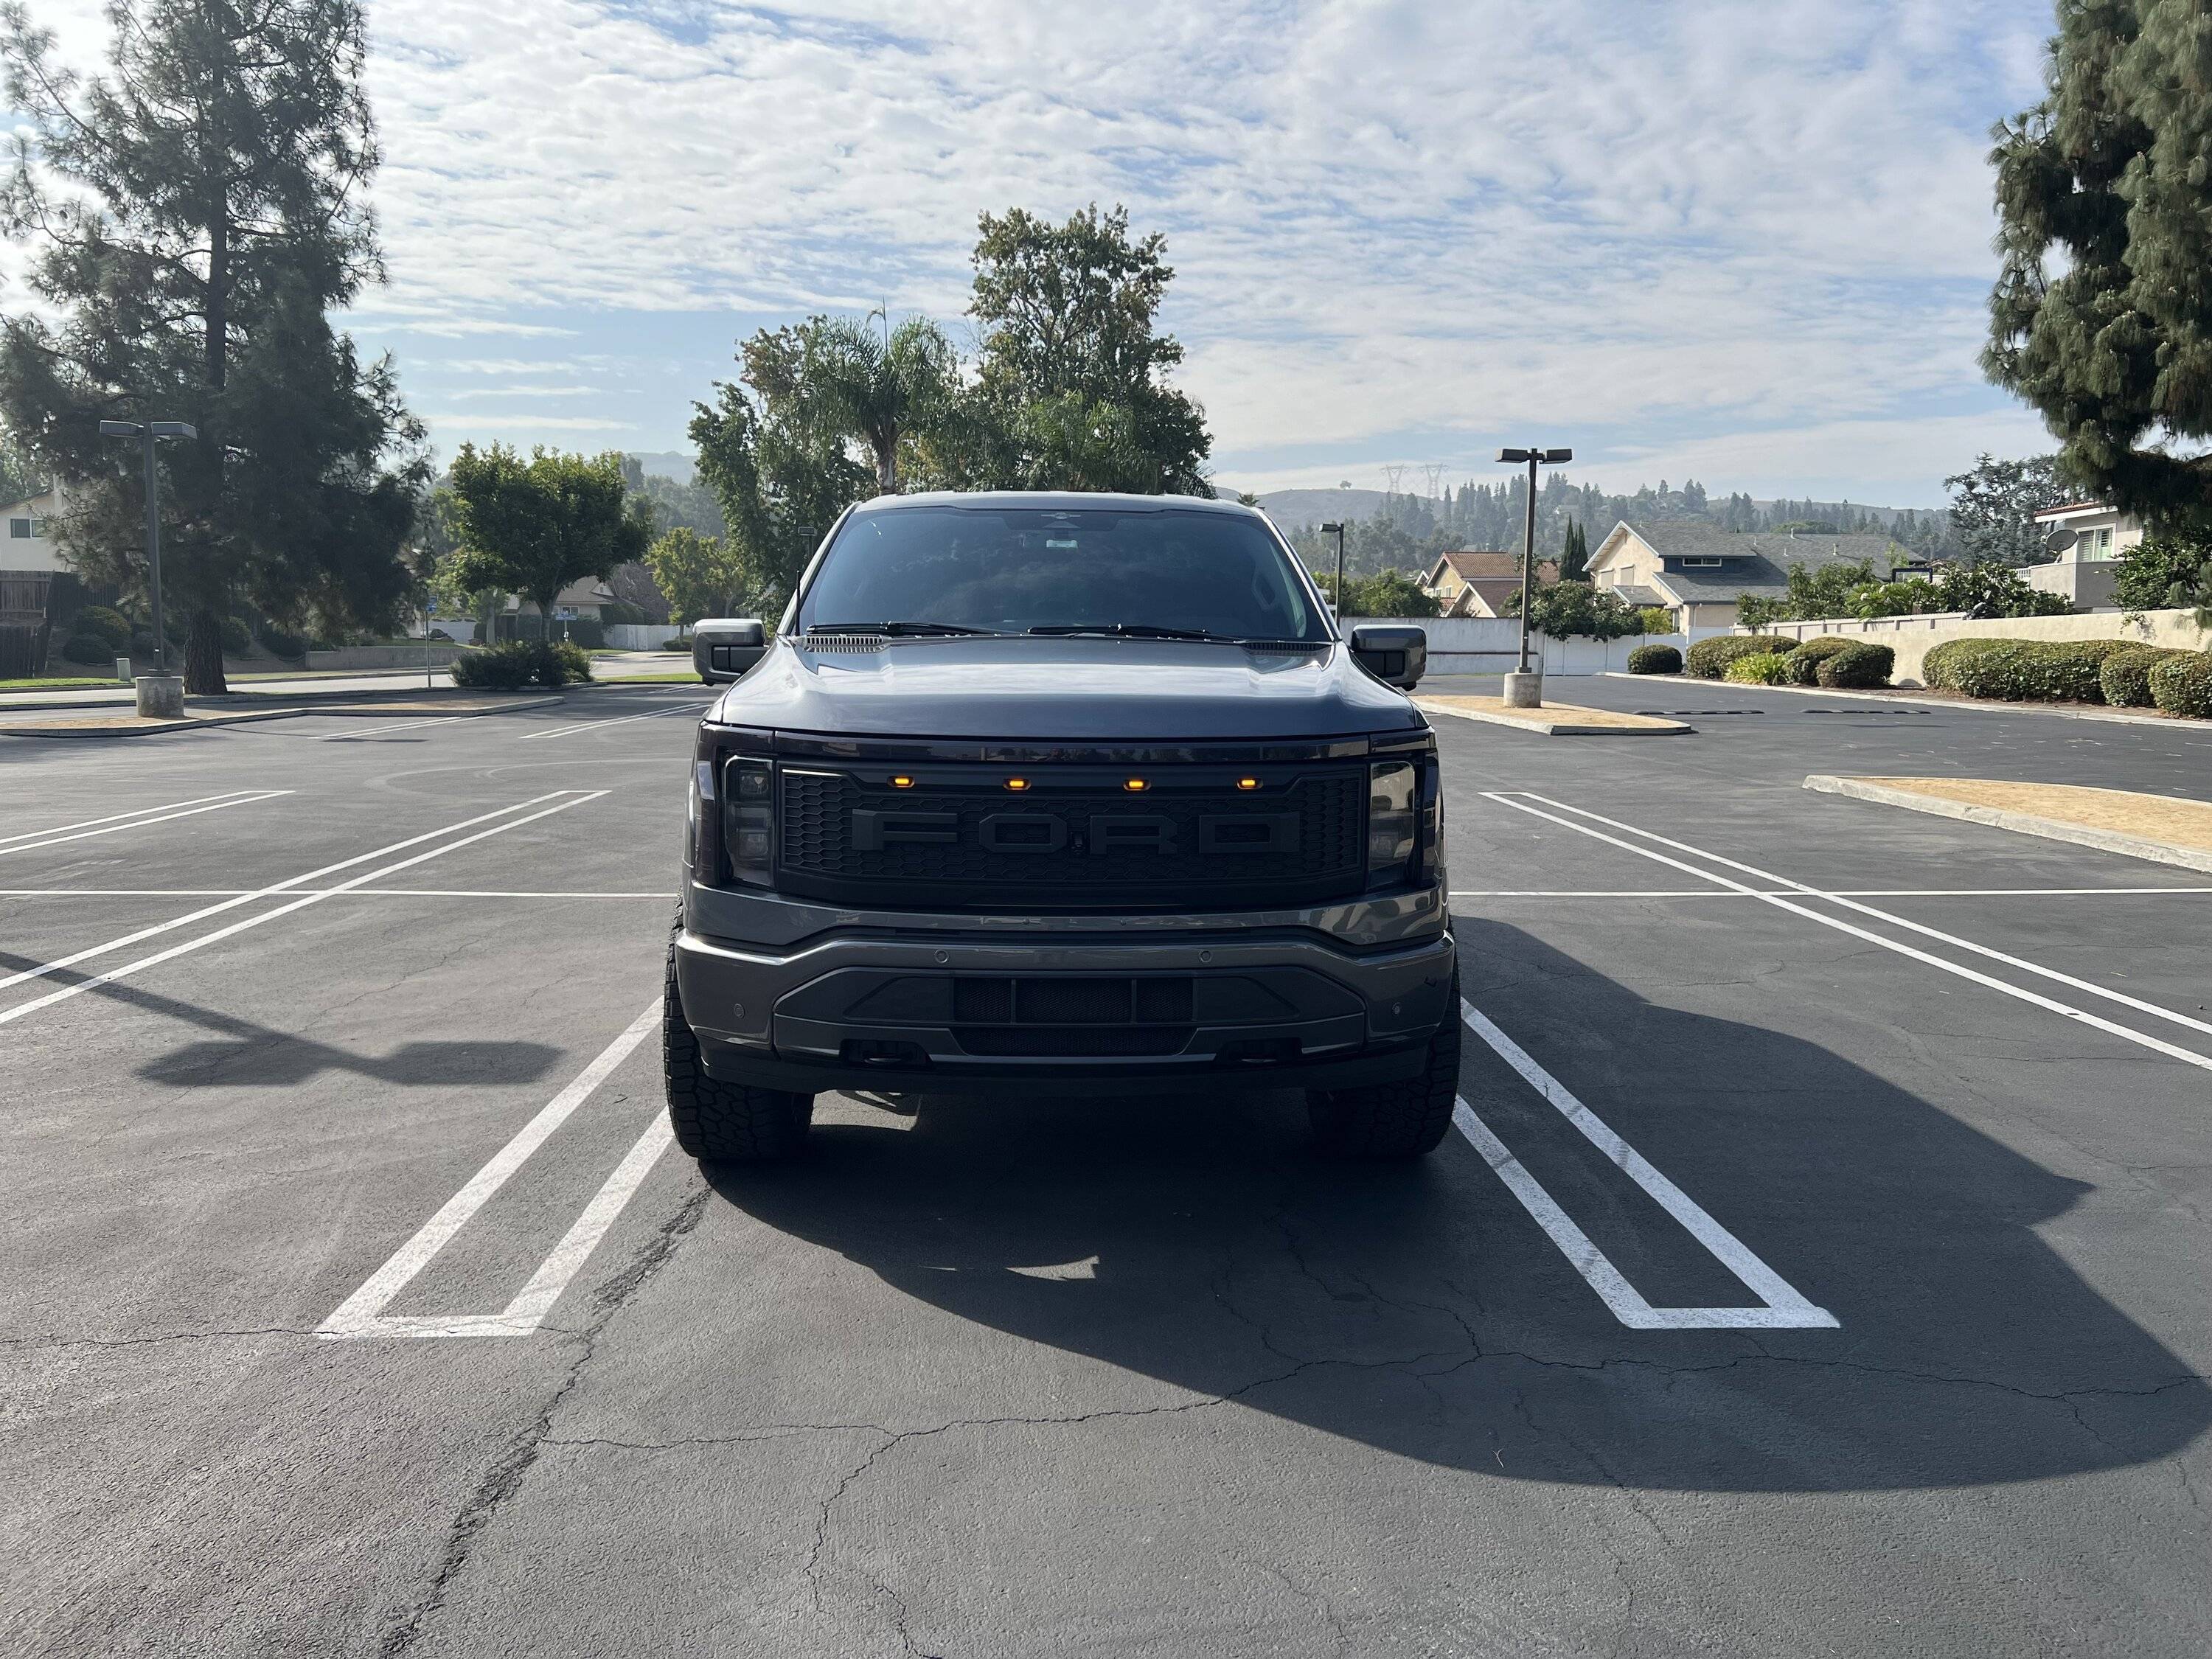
{"x": 1911, "y": 637}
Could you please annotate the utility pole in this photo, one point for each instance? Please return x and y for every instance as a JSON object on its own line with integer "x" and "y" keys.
{"x": 1525, "y": 689}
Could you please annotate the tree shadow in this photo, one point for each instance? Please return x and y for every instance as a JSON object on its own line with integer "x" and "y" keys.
{"x": 1419, "y": 1310}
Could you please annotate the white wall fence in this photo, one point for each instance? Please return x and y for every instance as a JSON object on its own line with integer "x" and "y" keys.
{"x": 1913, "y": 637}
{"x": 1491, "y": 645}
{"x": 640, "y": 636}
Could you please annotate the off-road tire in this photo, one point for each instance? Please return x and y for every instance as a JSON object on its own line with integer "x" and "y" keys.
{"x": 720, "y": 1122}
{"x": 1387, "y": 1120}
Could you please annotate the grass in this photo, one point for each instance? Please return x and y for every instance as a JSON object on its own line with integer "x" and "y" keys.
{"x": 650, "y": 680}
{"x": 60, "y": 683}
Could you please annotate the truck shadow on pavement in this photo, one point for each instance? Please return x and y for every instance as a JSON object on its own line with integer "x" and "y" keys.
{"x": 1420, "y": 1312}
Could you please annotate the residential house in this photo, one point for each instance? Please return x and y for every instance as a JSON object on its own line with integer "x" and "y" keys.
{"x": 578, "y": 601}
{"x": 30, "y": 545}
{"x": 2088, "y": 537}
{"x": 1471, "y": 583}
{"x": 1698, "y": 570}
{"x": 29, "y": 561}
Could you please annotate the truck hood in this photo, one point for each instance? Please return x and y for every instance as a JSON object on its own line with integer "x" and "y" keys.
{"x": 1093, "y": 690}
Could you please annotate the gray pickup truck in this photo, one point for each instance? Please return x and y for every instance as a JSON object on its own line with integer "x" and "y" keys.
{"x": 1064, "y": 794}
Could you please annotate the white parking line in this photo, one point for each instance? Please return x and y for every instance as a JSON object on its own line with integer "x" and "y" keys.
{"x": 245, "y": 798}
{"x": 1815, "y": 892}
{"x": 350, "y": 892}
{"x": 1849, "y": 902}
{"x": 363, "y": 1314}
{"x": 577, "y": 799}
{"x": 116, "y": 818}
{"x": 2127, "y": 1033}
{"x": 371, "y": 736}
{"x": 619, "y": 719}
{"x": 295, "y": 885}
{"x": 1786, "y": 1308}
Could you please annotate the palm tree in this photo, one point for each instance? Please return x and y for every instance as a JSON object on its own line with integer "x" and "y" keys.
{"x": 881, "y": 388}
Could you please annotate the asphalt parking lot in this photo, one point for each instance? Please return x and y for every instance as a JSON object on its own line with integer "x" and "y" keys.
{"x": 1820, "y": 1270}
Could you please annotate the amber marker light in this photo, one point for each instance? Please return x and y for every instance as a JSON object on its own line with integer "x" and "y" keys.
{"x": 1136, "y": 786}
{"x": 1247, "y": 783}
{"x": 902, "y": 783}
{"x": 1018, "y": 784}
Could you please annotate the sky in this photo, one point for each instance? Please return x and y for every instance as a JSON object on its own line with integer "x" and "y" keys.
{"x": 1746, "y": 241}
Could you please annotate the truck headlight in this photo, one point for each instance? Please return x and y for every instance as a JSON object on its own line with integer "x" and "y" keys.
{"x": 1393, "y": 817}
{"x": 749, "y": 821}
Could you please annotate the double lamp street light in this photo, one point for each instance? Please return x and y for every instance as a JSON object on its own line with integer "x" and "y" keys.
{"x": 149, "y": 430}
{"x": 1534, "y": 458}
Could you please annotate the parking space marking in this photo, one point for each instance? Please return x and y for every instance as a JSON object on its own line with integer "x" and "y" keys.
{"x": 618, "y": 719}
{"x": 351, "y": 892}
{"x": 1851, "y": 903}
{"x": 371, "y": 736}
{"x": 2127, "y": 1033}
{"x": 138, "y": 821}
{"x": 361, "y": 1313}
{"x": 576, "y": 798}
{"x": 245, "y": 895}
{"x": 1785, "y": 1309}
{"x": 114, "y": 817}
{"x": 1815, "y": 892}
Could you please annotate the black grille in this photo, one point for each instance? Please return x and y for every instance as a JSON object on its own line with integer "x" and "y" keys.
{"x": 1295, "y": 841}
{"x": 1067, "y": 1041}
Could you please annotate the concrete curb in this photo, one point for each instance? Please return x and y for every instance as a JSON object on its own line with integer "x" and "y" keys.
{"x": 1970, "y": 705}
{"x": 100, "y": 726}
{"x": 1566, "y": 726}
{"x": 2025, "y": 824}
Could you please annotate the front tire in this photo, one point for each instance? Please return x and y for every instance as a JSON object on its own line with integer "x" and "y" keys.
{"x": 1386, "y": 1121}
{"x": 718, "y": 1121}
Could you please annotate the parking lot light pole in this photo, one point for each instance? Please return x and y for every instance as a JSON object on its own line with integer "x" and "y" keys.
{"x": 1337, "y": 530}
{"x": 1524, "y": 689}
{"x": 149, "y": 430}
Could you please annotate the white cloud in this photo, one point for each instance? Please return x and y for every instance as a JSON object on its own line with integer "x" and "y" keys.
{"x": 1394, "y": 224}
{"x": 524, "y": 391}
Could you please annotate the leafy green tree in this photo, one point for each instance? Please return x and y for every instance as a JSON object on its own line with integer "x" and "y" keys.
{"x": 193, "y": 216}
{"x": 1071, "y": 392}
{"x": 531, "y": 527}
{"x": 1995, "y": 590}
{"x": 1565, "y": 609}
{"x": 1386, "y": 593}
{"x": 1994, "y": 504}
{"x": 2102, "y": 318}
{"x": 2164, "y": 573}
{"x": 700, "y": 575}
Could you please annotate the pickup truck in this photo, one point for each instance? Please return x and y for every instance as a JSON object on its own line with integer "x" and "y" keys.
{"x": 1058, "y": 795}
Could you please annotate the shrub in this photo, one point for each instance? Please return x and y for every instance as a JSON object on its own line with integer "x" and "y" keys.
{"x": 89, "y": 649}
{"x": 1859, "y": 666}
{"x": 104, "y": 622}
{"x": 1709, "y": 658}
{"x": 1655, "y": 660}
{"x": 1943, "y": 663}
{"x": 620, "y": 613}
{"x": 1656, "y": 619}
{"x": 279, "y": 643}
{"x": 2182, "y": 685}
{"x": 2125, "y": 676}
{"x": 681, "y": 643}
{"x": 2036, "y": 671}
{"x": 1759, "y": 668}
{"x": 520, "y": 663}
{"x": 1804, "y": 666}
{"x": 237, "y": 640}
{"x": 586, "y": 631}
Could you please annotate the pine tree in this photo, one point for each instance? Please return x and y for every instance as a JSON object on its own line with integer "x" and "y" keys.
{"x": 195, "y": 214}
{"x": 2102, "y": 318}
{"x": 1574, "y": 555}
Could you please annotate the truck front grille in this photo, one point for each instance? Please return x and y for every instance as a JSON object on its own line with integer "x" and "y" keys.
{"x": 848, "y": 838}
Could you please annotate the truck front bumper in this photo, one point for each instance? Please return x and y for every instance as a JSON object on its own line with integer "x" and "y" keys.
{"x": 901, "y": 1010}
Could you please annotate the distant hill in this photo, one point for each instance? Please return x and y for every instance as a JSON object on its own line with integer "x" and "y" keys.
{"x": 665, "y": 464}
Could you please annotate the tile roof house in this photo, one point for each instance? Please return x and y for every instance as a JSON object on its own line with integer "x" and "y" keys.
{"x": 1473, "y": 583}
{"x": 1697, "y": 570}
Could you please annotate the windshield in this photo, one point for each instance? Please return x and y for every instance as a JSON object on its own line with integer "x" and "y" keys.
{"x": 956, "y": 568}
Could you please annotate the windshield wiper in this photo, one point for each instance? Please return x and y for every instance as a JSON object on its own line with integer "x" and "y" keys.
{"x": 894, "y": 629}
{"x": 1133, "y": 631}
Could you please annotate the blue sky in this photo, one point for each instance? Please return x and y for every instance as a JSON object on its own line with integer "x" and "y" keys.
{"x": 1743, "y": 240}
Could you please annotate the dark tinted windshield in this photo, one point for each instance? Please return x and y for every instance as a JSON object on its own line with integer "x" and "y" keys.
{"x": 1010, "y": 571}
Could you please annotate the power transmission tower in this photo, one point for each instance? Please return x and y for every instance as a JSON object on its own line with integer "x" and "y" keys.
{"x": 1391, "y": 474}
{"x": 1435, "y": 472}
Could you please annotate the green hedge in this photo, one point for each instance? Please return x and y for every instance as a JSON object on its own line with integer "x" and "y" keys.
{"x": 2037, "y": 670}
{"x": 104, "y": 622}
{"x": 1943, "y": 663}
{"x": 1804, "y": 666}
{"x": 1861, "y": 666}
{"x": 1655, "y": 660}
{"x": 1759, "y": 668}
{"x": 522, "y": 662}
{"x": 89, "y": 649}
{"x": 2182, "y": 685}
{"x": 1709, "y": 659}
{"x": 2125, "y": 676}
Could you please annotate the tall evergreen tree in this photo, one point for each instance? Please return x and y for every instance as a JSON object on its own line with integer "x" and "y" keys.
{"x": 2102, "y": 318}
{"x": 196, "y": 213}
{"x": 1574, "y": 555}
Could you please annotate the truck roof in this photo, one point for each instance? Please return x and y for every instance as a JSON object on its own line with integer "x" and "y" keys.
{"x": 1064, "y": 500}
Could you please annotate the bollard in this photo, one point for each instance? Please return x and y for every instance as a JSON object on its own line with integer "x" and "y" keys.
{"x": 123, "y": 669}
{"x": 1525, "y": 690}
{"x": 161, "y": 696}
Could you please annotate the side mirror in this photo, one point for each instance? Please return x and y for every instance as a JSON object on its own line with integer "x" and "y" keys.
{"x": 1395, "y": 655}
{"x": 724, "y": 647}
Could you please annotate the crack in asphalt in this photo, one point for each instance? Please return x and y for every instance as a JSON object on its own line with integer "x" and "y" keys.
{"x": 506, "y": 1475}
